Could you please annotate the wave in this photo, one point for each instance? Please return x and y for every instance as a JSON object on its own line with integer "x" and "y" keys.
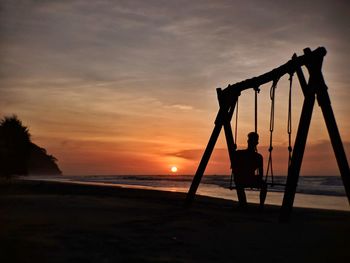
{"x": 315, "y": 185}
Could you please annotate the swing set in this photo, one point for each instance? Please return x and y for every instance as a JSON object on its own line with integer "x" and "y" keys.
{"x": 314, "y": 88}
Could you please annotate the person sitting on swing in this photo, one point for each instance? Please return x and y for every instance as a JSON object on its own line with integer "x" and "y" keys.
{"x": 245, "y": 164}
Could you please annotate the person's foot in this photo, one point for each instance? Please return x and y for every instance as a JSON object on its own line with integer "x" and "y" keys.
{"x": 261, "y": 207}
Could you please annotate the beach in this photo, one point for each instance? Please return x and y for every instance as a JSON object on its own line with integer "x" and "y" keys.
{"x": 65, "y": 222}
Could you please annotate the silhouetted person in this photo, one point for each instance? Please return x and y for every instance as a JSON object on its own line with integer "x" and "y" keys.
{"x": 245, "y": 164}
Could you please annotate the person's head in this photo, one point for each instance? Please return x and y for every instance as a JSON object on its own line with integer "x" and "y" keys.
{"x": 253, "y": 140}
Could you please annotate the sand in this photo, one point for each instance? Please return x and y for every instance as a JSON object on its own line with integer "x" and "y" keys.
{"x": 62, "y": 222}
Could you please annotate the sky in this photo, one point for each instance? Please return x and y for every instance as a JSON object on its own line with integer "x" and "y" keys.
{"x": 129, "y": 87}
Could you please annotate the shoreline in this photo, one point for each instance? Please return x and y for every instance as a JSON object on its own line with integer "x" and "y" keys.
{"x": 302, "y": 200}
{"x": 43, "y": 187}
{"x": 63, "y": 222}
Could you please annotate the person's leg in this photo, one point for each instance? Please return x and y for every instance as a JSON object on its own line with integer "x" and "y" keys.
{"x": 242, "y": 199}
{"x": 263, "y": 193}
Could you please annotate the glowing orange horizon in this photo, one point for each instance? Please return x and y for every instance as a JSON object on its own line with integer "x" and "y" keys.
{"x": 131, "y": 96}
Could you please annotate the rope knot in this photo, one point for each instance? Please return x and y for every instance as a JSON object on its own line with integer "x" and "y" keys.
{"x": 290, "y": 149}
{"x": 270, "y": 149}
{"x": 257, "y": 89}
{"x": 274, "y": 83}
{"x": 291, "y": 73}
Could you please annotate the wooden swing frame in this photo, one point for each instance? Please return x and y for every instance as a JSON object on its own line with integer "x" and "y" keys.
{"x": 315, "y": 88}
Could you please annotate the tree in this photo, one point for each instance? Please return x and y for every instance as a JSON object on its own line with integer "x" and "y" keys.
{"x": 42, "y": 163}
{"x": 18, "y": 155}
{"x": 15, "y": 146}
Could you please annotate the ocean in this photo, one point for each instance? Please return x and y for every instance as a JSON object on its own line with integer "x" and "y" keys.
{"x": 325, "y": 192}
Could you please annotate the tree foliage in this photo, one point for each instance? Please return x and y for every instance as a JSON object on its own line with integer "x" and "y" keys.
{"x": 18, "y": 155}
{"x": 15, "y": 146}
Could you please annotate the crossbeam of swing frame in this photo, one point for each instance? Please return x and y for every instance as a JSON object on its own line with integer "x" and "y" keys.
{"x": 290, "y": 67}
{"x": 227, "y": 102}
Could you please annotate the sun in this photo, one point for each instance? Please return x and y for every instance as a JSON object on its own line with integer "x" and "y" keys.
{"x": 173, "y": 169}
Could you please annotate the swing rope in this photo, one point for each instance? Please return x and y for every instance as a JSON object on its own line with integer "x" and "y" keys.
{"x": 257, "y": 90}
{"x": 289, "y": 126}
{"x": 269, "y": 169}
{"x": 235, "y": 139}
{"x": 236, "y": 125}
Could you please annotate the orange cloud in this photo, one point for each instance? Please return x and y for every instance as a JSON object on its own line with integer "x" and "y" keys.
{"x": 319, "y": 159}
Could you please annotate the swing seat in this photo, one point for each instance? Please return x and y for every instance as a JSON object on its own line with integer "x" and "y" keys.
{"x": 248, "y": 181}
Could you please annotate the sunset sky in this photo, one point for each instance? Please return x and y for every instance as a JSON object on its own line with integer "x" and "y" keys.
{"x": 128, "y": 87}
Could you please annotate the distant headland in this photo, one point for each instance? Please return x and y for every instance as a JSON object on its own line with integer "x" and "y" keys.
{"x": 19, "y": 155}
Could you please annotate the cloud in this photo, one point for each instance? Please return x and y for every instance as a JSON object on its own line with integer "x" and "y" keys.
{"x": 149, "y": 69}
{"x": 319, "y": 158}
{"x": 221, "y": 42}
{"x": 192, "y": 154}
{"x": 181, "y": 107}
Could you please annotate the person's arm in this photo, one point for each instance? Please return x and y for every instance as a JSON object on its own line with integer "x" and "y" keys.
{"x": 261, "y": 167}
{"x": 233, "y": 164}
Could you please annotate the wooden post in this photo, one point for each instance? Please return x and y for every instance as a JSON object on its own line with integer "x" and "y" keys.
{"x": 299, "y": 146}
{"x": 325, "y": 103}
{"x": 336, "y": 141}
{"x": 229, "y": 136}
{"x": 223, "y": 119}
{"x": 227, "y": 123}
{"x": 204, "y": 161}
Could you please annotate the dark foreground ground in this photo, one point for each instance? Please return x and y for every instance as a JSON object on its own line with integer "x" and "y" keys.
{"x": 57, "y": 222}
